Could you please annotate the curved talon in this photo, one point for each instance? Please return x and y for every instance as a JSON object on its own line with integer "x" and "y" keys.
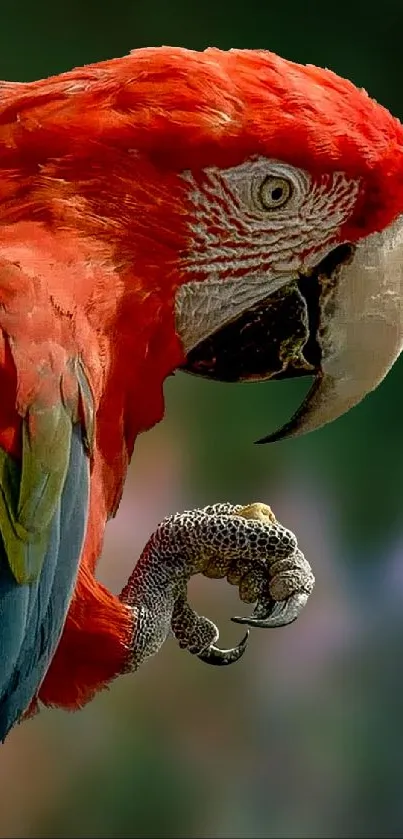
{"x": 277, "y": 613}
{"x": 213, "y": 654}
{"x": 245, "y": 544}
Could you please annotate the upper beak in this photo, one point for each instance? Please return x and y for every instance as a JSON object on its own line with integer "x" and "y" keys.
{"x": 360, "y": 333}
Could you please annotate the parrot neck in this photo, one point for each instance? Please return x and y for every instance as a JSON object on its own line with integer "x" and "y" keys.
{"x": 115, "y": 316}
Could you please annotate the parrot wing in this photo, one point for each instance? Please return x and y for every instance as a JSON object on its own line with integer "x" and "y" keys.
{"x": 44, "y": 497}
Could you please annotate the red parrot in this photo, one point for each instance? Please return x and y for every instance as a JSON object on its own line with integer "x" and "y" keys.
{"x": 231, "y": 214}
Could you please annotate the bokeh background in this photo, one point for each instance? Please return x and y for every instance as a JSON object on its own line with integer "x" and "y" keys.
{"x": 304, "y": 737}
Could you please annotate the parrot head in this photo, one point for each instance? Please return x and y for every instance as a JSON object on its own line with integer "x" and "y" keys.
{"x": 296, "y": 253}
{"x": 252, "y": 208}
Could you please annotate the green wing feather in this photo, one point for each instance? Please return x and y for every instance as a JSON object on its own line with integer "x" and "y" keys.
{"x": 30, "y": 491}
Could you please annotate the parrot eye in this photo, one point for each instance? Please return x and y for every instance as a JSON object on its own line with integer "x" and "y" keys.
{"x": 274, "y": 192}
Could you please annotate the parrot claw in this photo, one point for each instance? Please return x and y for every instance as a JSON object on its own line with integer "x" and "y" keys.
{"x": 219, "y": 658}
{"x": 245, "y": 545}
{"x": 199, "y": 636}
{"x": 275, "y": 613}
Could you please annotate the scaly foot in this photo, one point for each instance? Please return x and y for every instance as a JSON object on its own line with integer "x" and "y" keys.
{"x": 247, "y": 545}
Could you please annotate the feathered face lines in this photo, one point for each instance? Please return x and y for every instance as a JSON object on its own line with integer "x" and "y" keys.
{"x": 253, "y": 229}
{"x": 235, "y": 232}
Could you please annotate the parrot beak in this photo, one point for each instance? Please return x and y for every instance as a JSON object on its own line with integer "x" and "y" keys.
{"x": 360, "y": 332}
{"x": 342, "y": 323}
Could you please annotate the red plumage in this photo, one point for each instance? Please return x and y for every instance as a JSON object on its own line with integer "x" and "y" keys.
{"x": 94, "y": 217}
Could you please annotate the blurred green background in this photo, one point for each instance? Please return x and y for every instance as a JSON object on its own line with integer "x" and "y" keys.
{"x": 303, "y": 738}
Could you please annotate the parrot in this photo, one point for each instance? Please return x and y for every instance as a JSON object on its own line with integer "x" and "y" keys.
{"x": 232, "y": 215}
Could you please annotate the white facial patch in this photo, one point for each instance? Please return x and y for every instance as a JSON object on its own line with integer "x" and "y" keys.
{"x": 241, "y": 250}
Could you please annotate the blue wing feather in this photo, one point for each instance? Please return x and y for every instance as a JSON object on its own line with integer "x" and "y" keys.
{"x": 32, "y": 615}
